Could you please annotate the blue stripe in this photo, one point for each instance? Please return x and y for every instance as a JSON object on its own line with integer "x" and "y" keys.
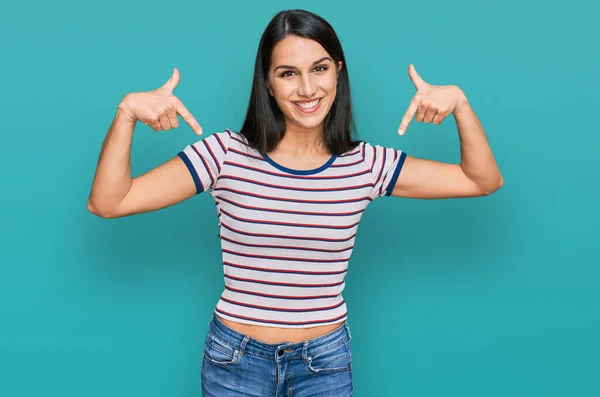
{"x": 348, "y": 165}
{"x": 353, "y": 200}
{"x": 197, "y": 151}
{"x": 313, "y": 260}
{"x": 335, "y": 240}
{"x": 225, "y": 263}
{"x": 344, "y": 316}
{"x": 286, "y": 224}
{"x": 301, "y": 189}
{"x": 396, "y": 173}
{"x": 229, "y": 240}
{"x": 275, "y": 309}
{"x": 276, "y": 284}
{"x": 382, "y": 167}
{"x": 279, "y": 296}
{"x": 209, "y": 150}
{"x": 288, "y": 211}
{"x": 190, "y": 166}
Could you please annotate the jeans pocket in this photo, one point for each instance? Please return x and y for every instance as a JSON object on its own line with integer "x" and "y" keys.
{"x": 219, "y": 352}
{"x": 335, "y": 359}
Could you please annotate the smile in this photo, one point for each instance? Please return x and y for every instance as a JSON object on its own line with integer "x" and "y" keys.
{"x": 308, "y": 107}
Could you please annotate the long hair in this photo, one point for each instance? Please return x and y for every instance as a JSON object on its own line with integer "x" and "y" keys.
{"x": 264, "y": 126}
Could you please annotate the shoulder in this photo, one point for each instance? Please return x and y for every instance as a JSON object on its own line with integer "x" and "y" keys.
{"x": 224, "y": 140}
{"x": 239, "y": 143}
{"x": 359, "y": 149}
{"x": 235, "y": 137}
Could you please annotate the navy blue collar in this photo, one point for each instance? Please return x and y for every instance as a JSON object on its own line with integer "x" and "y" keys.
{"x": 299, "y": 172}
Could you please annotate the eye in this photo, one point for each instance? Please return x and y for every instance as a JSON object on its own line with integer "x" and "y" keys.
{"x": 322, "y": 69}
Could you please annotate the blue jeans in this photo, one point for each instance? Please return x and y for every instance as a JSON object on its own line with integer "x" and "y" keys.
{"x": 235, "y": 364}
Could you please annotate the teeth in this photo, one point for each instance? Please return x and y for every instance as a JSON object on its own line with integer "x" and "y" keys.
{"x": 308, "y": 105}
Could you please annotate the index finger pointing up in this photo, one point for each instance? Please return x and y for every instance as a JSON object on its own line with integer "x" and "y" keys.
{"x": 173, "y": 80}
{"x": 414, "y": 76}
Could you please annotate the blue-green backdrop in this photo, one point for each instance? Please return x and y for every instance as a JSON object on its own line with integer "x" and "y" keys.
{"x": 491, "y": 296}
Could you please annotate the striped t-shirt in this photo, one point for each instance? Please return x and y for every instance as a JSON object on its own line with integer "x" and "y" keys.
{"x": 287, "y": 235}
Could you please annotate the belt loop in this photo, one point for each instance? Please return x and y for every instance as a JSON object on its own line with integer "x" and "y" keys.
{"x": 243, "y": 345}
{"x": 348, "y": 329}
{"x": 304, "y": 351}
{"x": 211, "y": 317}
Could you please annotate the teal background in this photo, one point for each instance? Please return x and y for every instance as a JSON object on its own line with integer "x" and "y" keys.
{"x": 491, "y": 296}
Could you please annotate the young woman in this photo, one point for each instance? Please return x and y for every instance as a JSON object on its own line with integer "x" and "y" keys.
{"x": 290, "y": 188}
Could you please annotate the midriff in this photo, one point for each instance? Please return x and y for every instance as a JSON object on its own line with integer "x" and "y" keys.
{"x": 278, "y": 335}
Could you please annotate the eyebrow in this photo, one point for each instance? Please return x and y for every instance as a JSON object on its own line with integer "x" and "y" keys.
{"x": 314, "y": 63}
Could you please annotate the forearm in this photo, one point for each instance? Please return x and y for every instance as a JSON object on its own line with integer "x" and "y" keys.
{"x": 477, "y": 159}
{"x": 113, "y": 173}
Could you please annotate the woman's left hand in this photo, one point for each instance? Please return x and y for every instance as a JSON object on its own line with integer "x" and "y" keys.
{"x": 431, "y": 103}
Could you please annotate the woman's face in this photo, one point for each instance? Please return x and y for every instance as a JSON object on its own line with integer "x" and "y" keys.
{"x": 302, "y": 79}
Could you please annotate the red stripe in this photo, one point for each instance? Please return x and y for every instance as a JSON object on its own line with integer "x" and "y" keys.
{"x": 205, "y": 165}
{"x": 252, "y": 280}
{"x": 249, "y": 207}
{"x": 268, "y": 270}
{"x": 382, "y": 185}
{"x": 280, "y": 322}
{"x": 221, "y": 143}
{"x": 373, "y": 162}
{"x": 350, "y": 154}
{"x": 347, "y": 165}
{"x": 241, "y": 291}
{"x": 239, "y": 218}
{"x": 281, "y": 308}
{"x": 288, "y": 237}
{"x": 301, "y": 189}
{"x": 234, "y": 136}
{"x": 282, "y": 258}
{"x": 382, "y": 167}
{"x": 246, "y": 154}
{"x": 353, "y": 200}
{"x": 212, "y": 155}
{"x": 196, "y": 170}
{"x": 283, "y": 246}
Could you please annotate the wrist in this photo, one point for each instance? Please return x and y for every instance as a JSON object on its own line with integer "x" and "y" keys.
{"x": 123, "y": 112}
{"x": 461, "y": 102}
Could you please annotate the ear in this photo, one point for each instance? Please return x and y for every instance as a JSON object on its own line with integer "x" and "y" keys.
{"x": 339, "y": 66}
{"x": 269, "y": 88}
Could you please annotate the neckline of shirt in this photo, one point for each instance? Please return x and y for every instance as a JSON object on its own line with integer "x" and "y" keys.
{"x": 299, "y": 172}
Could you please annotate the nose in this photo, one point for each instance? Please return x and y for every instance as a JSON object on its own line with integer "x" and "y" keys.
{"x": 307, "y": 86}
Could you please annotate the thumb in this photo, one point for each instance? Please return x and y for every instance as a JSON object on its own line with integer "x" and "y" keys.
{"x": 173, "y": 81}
{"x": 414, "y": 76}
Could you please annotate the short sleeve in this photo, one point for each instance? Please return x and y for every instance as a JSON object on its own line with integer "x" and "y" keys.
{"x": 204, "y": 159}
{"x": 386, "y": 164}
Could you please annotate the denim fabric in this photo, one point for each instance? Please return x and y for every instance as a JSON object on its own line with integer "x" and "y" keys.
{"x": 237, "y": 365}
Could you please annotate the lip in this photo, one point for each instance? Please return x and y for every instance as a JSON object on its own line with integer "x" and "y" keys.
{"x": 311, "y": 110}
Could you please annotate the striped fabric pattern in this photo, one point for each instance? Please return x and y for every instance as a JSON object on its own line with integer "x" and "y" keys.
{"x": 287, "y": 235}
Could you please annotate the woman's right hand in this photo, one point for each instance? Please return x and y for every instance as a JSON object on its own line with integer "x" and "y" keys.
{"x": 159, "y": 108}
